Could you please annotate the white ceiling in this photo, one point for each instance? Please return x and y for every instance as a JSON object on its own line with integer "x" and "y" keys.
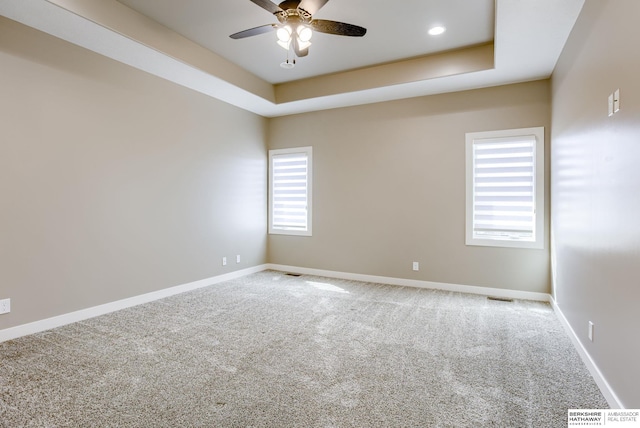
{"x": 395, "y": 30}
{"x": 188, "y": 42}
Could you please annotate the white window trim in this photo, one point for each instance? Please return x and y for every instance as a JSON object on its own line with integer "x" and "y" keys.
{"x": 308, "y": 151}
{"x": 539, "y": 185}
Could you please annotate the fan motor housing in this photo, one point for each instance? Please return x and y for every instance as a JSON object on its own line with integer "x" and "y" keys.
{"x": 290, "y": 9}
{"x": 289, "y": 4}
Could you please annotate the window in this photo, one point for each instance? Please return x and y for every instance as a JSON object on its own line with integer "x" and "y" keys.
{"x": 505, "y": 188}
{"x": 290, "y": 191}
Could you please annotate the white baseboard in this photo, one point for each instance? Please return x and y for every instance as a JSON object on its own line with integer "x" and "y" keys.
{"x": 600, "y": 380}
{"x": 83, "y": 314}
{"x": 58, "y": 321}
{"x": 471, "y": 289}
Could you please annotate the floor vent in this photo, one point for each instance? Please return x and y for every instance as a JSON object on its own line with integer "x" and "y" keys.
{"x": 293, "y": 274}
{"x": 500, "y": 299}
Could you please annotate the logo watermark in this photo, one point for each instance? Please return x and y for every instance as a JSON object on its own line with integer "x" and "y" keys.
{"x": 628, "y": 418}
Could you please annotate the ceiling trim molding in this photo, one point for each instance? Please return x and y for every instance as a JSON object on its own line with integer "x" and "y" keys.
{"x": 446, "y": 64}
{"x": 140, "y": 29}
{"x": 528, "y": 41}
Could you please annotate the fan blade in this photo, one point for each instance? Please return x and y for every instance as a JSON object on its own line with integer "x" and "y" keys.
{"x": 296, "y": 48}
{"x": 337, "y": 28}
{"x": 254, "y": 31}
{"x": 312, "y": 6}
{"x": 268, "y": 6}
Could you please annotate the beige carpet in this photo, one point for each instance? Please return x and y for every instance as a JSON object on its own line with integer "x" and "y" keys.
{"x": 271, "y": 350}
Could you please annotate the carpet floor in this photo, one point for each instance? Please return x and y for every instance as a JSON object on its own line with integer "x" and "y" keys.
{"x": 273, "y": 350}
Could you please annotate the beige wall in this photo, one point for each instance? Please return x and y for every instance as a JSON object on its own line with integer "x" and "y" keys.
{"x": 596, "y": 189}
{"x": 389, "y": 188}
{"x": 114, "y": 183}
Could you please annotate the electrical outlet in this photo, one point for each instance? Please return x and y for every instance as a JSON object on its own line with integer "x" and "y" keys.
{"x": 416, "y": 266}
{"x": 224, "y": 261}
{"x": 590, "y": 331}
{"x": 5, "y": 306}
{"x": 238, "y": 258}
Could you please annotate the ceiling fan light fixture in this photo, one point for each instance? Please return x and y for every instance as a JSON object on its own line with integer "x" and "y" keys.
{"x": 284, "y": 34}
{"x": 284, "y": 45}
{"x": 303, "y": 45}
{"x": 304, "y": 33}
{"x": 296, "y": 25}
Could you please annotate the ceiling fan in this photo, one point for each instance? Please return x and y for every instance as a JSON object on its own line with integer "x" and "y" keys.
{"x": 296, "y": 24}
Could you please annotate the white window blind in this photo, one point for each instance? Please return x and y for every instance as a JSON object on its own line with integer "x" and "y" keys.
{"x": 290, "y": 191}
{"x": 504, "y": 177}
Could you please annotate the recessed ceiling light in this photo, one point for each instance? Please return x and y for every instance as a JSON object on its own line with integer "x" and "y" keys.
{"x": 437, "y": 30}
